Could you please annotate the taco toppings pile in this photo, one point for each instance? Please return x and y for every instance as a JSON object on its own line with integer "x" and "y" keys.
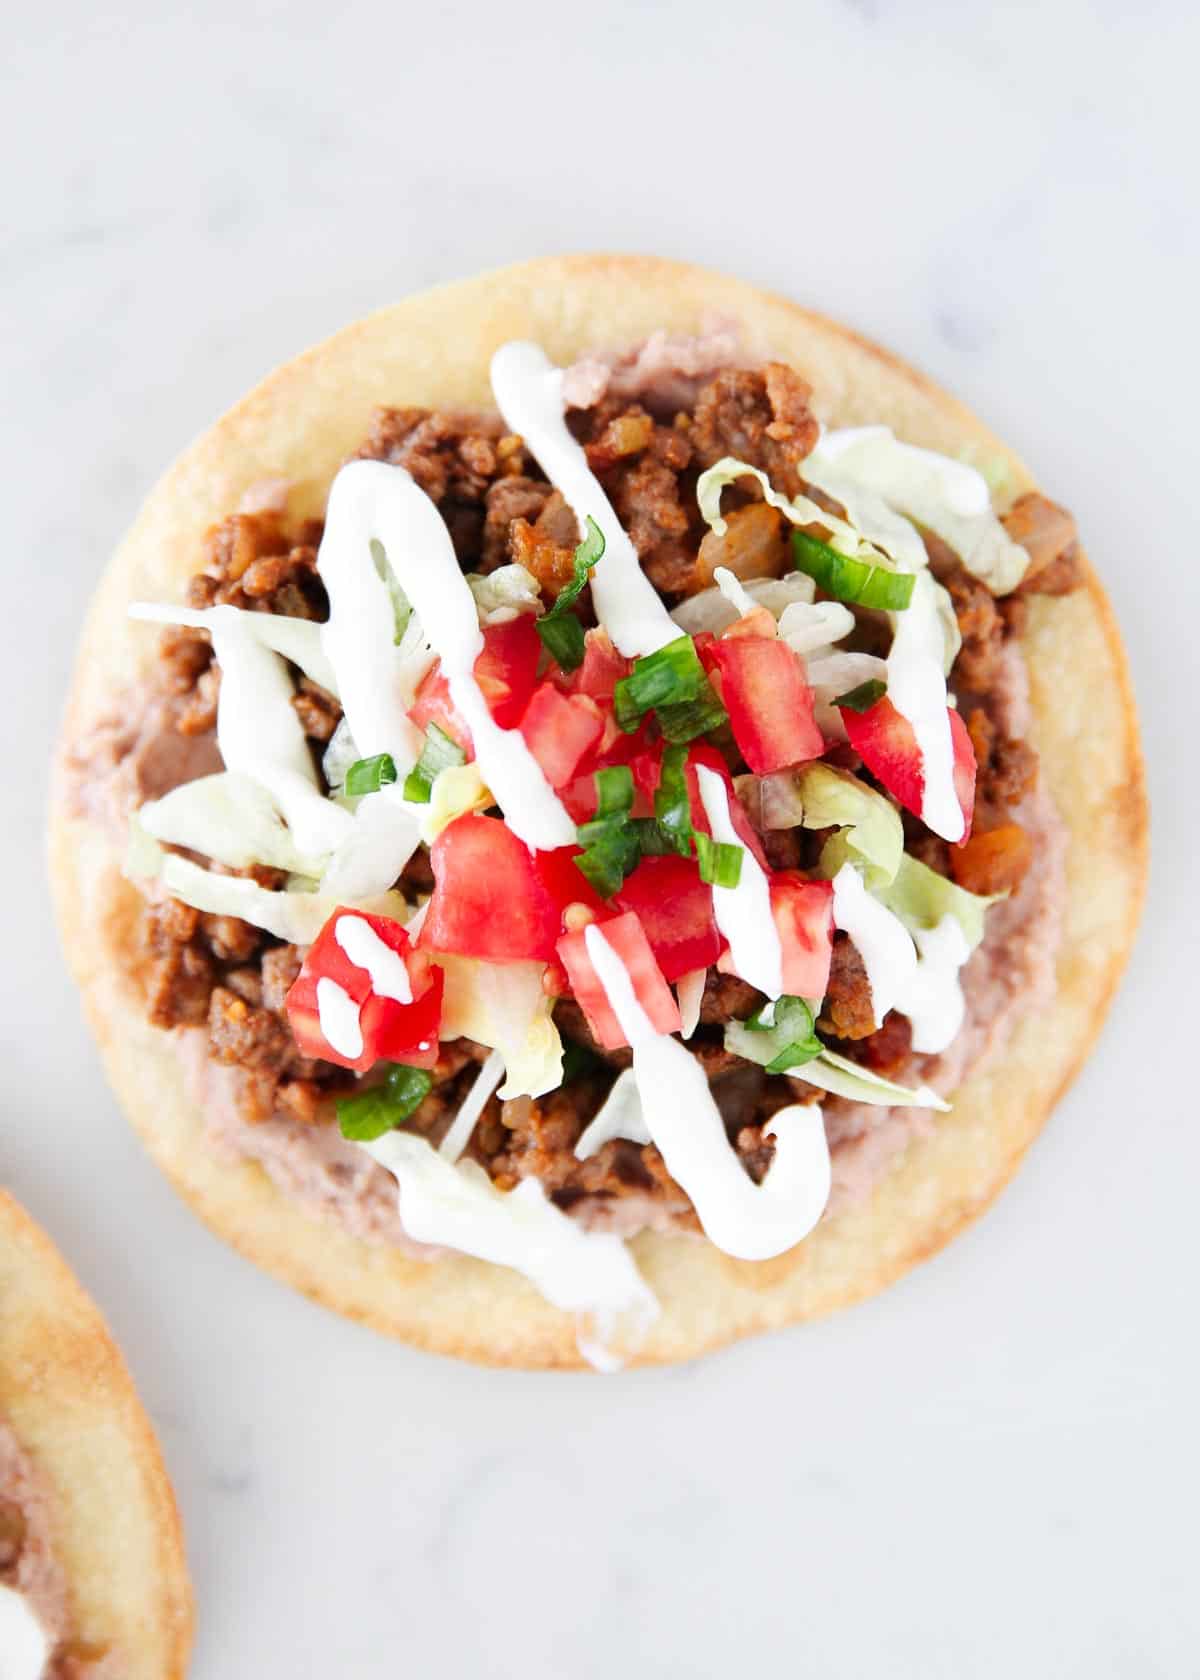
{"x": 618, "y": 813}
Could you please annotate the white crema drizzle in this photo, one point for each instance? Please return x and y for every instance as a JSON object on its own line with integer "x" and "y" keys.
{"x": 743, "y": 913}
{"x": 749, "y": 1221}
{"x": 372, "y": 502}
{"x": 529, "y": 394}
{"x": 339, "y": 1017}
{"x": 916, "y": 974}
{"x": 260, "y": 736}
{"x": 590, "y": 1274}
{"x": 384, "y": 967}
{"x": 24, "y": 1648}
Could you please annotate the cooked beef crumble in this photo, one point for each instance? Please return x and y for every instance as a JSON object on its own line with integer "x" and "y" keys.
{"x": 231, "y": 979}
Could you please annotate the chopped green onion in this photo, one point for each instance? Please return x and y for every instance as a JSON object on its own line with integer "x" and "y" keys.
{"x": 611, "y": 843}
{"x": 780, "y": 1036}
{"x": 439, "y": 753}
{"x": 381, "y": 1109}
{"x": 851, "y": 580}
{"x": 672, "y": 806}
{"x": 563, "y": 640}
{"x": 692, "y": 718}
{"x": 666, "y": 678}
{"x": 862, "y": 698}
{"x": 560, "y": 630}
{"x": 652, "y": 842}
{"x": 608, "y": 860}
{"x": 720, "y": 863}
{"x": 614, "y": 792}
{"x": 368, "y": 775}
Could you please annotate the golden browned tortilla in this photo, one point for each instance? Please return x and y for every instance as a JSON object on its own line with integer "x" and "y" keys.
{"x": 300, "y": 424}
{"x": 71, "y": 1405}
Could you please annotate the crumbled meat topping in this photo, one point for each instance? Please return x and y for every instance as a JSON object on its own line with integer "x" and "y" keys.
{"x": 217, "y": 973}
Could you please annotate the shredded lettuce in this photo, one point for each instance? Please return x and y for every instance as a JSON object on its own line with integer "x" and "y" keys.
{"x": 799, "y": 510}
{"x": 414, "y": 659}
{"x": 384, "y": 835}
{"x": 296, "y": 917}
{"x": 948, "y": 619}
{"x": 505, "y": 1006}
{"x": 456, "y": 790}
{"x": 297, "y": 639}
{"x": 842, "y": 1078}
{"x": 711, "y": 610}
{"x": 401, "y": 606}
{"x": 229, "y": 818}
{"x": 780, "y": 1037}
{"x": 921, "y": 898}
{"x": 505, "y": 593}
{"x": 811, "y": 628}
{"x": 872, "y": 834}
{"x": 949, "y": 497}
{"x": 143, "y": 859}
{"x": 339, "y": 755}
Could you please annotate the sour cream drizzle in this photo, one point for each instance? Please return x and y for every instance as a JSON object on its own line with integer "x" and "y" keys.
{"x": 370, "y": 501}
{"x": 338, "y": 1014}
{"x": 752, "y": 1222}
{"x": 24, "y": 1648}
{"x": 916, "y": 686}
{"x": 915, "y": 973}
{"x": 590, "y": 1274}
{"x": 619, "y": 1116}
{"x": 935, "y": 1004}
{"x": 385, "y": 967}
{"x": 881, "y": 940}
{"x": 529, "y": 394}
{"x": 260, "y": 735}
{"x": 743, "y": 913}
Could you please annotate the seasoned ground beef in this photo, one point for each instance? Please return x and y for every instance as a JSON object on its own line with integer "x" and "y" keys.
{"x": 217, "y": 973}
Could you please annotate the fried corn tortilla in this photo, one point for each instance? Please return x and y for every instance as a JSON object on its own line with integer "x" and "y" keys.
{"x": 71, "y": 1407}
{"x": 299, "y": 425}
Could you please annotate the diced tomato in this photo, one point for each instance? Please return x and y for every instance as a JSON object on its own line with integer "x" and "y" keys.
{"x": 743, "y": 827}
{"x": 391, "y": 1030}
{"x": 579, "y": 797}
{"x": 506, "y": 672}
{"x": 565, "y": 884}
{"x": 627, "y": 939}
{"x": 964, "y": 771}
{"x": 560, "y": 730}
{"x": 643, "y": 758}
{"x": 675, "y": 908}
{"x": 602, "y": 668}
{"x": 803, "y": 912}
{"x": 769, "y": 703}
{"x": 488, "y": 899}
{"x": 884, "y": 739}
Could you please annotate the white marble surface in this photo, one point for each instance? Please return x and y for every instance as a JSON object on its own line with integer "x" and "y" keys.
{"x": 990, "y": 1470}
